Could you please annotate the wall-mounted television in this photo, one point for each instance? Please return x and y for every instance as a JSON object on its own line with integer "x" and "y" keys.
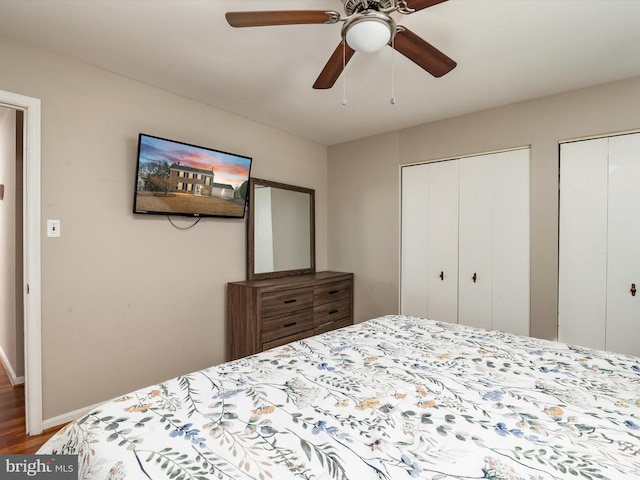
{"x": 176, "y": 178}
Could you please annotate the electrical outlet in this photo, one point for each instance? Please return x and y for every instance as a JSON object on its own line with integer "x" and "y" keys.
{"x": 53, "y": 228}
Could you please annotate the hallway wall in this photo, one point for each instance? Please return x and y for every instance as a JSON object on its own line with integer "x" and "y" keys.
{"x": 11, "y": 355}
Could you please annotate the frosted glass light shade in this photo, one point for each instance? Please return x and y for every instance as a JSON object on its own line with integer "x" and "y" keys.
{"x": 368, "y": 36}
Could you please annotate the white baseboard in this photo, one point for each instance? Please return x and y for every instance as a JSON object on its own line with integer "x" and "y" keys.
{"x": 13, "y": 378}
{"x": 68, "y": 417}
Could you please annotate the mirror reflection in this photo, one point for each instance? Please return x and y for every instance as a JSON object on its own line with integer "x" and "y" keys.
{"x": 281, "y": 230}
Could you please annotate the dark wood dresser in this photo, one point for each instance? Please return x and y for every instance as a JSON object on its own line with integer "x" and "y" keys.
{"x": 262, "y": 314}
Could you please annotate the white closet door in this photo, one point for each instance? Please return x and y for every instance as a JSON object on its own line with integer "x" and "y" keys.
{"x": 623, "y": 309}
{"x": 582, "y": 289}
{"x": 494, "y": 241}
{"x": 475, "y": 240}
{"x": 429, "y": 231}
{"x": 511, "y": 241}
{"x": 414, "y": 234}
{"x": 442, "y": 241}
{"x": 465, "y": 241}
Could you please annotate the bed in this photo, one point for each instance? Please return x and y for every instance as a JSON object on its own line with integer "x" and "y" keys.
{"x": 394, "y": 397}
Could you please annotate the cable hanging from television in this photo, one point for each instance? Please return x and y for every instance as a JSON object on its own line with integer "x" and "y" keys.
{"x": 183, "y": 228}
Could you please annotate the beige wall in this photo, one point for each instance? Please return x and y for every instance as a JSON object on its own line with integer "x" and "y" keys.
{"x": 130, "y": 300}
{"x": 364, "y": 186}
{"x": 364, "y": 221}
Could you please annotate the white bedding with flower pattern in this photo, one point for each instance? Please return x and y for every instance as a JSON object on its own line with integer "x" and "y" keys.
{"x": 395, "y": 397}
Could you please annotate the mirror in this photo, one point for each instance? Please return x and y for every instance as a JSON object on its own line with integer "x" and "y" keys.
{"x": 280, "y": 230}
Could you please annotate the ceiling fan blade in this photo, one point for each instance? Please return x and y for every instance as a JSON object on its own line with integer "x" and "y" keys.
{"x": 422, "y": 4}
{"x": 422, "y": 53}
{"x": 332, "y": 70}
{"x": 282, "y": 17}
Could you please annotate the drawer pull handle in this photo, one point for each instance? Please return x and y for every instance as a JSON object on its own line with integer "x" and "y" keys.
{"x": 291, "y": 324}
{"x": 335, "y": 310}
{"x": 332, "y": 292}
{"x": 293, "y": 300}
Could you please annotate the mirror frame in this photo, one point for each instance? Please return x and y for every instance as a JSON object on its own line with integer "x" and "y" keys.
{"x": 251, "y": 274}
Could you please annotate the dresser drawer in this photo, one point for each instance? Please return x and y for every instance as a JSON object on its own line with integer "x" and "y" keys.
{"x": 285, "y": 325}
{"x": 285, "y": 340}
{"x": 331, "y": 311}
{"x": 283, "y": 301}
{"x": 331, "y": 292}
{"x": 327, "y": 327}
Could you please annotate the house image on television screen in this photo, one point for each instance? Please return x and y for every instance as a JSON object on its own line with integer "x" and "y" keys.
{"x": 199, "y": 182}
{"x": 181, "y": 179}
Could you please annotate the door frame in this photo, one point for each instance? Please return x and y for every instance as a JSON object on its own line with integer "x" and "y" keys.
{"x": 31, "y": 261}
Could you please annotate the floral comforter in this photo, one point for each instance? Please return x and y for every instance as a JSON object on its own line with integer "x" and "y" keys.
{"x": 395, "y": 397}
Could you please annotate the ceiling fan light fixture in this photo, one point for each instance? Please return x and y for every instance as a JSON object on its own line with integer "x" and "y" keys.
{"x": 369, "y": 31}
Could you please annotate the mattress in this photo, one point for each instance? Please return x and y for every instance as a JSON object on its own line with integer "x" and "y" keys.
{"x": 394, "y": 397}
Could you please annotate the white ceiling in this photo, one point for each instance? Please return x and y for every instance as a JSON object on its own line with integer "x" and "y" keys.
{"x": 507, "y": 51}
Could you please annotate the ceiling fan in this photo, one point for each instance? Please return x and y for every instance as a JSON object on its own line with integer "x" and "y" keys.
{"x": 367, "y": 27}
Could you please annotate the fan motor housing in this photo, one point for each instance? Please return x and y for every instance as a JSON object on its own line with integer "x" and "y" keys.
{"x": 355, "y": 6}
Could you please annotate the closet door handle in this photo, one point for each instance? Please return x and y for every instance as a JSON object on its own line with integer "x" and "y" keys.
{"x": 441, "y": 275}
{"x": 633, "y": 289}
{"x": 475, "y": 277}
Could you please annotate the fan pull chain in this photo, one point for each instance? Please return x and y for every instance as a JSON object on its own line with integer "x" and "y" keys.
{"x": 392, "y": 100}
{"x": 344, "y": 75}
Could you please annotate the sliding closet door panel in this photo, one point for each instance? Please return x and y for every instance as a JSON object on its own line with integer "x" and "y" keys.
{"x": 414, "y": 234}
{"x": 442, "y": 241}
{"x": 582, "y": 265}
{"x": 511, "y": 238}
{"x": 623, "y": 308}
{"x": 475, "y": 240}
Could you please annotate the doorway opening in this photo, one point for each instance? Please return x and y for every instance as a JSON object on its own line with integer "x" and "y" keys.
{"x": 30, "y": 111}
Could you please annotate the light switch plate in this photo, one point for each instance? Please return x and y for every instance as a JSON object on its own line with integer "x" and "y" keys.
{"x": 53, "y": 228}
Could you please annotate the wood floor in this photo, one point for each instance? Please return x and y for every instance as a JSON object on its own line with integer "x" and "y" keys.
{"x": 13, "y": 438}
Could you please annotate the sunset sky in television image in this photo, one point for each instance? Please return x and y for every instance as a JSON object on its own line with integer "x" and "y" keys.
{"x": 228, "y": 168}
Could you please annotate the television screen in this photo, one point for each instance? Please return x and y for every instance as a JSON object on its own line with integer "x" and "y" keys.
{"x": 175, "y": 178}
